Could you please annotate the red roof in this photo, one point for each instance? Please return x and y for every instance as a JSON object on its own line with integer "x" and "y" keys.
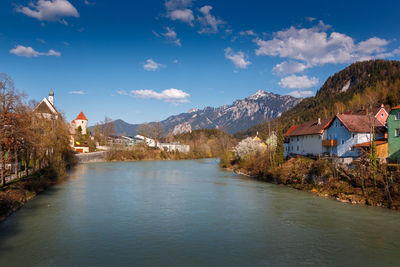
{"x": 291, "y": 129}
{"x": 308, "y": 128}
{"x": 396, "y": 107}
{"x": 358, "y": 123}
{"x": 81, "y": 116}
{"x": 73, "y": 121}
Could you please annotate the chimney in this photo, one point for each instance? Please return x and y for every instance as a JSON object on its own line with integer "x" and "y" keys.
{"x": 319, "y": 121}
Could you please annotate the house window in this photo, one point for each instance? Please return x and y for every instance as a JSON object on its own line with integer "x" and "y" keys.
{"x": 342, "y": 141}
{"x": 298, "y": 139}
{"x": 397, "y": 132}
{"x": 353, "y": 135}
{"x": 297, "y": 148}
{"x": 336, "y": 124}
{"x": 382, "y": 115}
{"x": 398, "y": 116}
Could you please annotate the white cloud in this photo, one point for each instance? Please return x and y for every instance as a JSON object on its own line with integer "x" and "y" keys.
{"x": 289, "y": 67}
{"x": 301, "y": 93}
{"x": 238, "y": 59}
{"x": 27, "y": 51}
{"x": 209, "y": 23}
{"x": 310, "y": 19}
{"x": 315, "y": 46}
{"x": 151, "y": 65}
{"x": 298, "y": 82}
{"x": 170, "y": 36}
{"x": 396, "y": 51}
{"x": 89, "y": 3}
{"x": 24, "y": 51}
{"x": 49, "y": 10}
{"x": 169, "y": 95}
{"x": 122, "y": 92}
{"x": 80, "y": 92}
{"x": 178, "y": 10}
{"x": 177, "y": 4}
{"x": 247, "y": 33}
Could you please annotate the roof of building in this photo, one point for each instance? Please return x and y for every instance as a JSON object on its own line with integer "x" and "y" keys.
{"x": 45, "y": 107}
{"x": 51, "y": 93}
{"x": 358, "y": 123}
{"x": 396, "y": 107}
{"x": 291, "y": 129}
{"x": 368, "y": 144}
{"x": 81, "y": 116}
{"x": 308, "y": 128}
{"x": 73, "y": 121}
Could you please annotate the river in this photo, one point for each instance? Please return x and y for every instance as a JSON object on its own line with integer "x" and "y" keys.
{"x": 191, "y": 213}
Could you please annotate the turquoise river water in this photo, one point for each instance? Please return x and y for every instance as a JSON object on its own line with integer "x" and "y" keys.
{"x": 191, "y": 213}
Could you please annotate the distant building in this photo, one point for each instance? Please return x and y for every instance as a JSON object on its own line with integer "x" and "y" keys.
{"x": 80, "y": 121}
{"x": 393, "y": 124}
{"x": 46, "y": 107}
{"x": 169, "y": 147}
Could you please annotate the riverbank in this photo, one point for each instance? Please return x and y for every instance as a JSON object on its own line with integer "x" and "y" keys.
{"x": 139, "y": 153}
{"x": 15, "y": 194}
{"x": 345, "y": 183}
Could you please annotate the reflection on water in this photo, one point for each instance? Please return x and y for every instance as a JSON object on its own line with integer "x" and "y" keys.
{"x": 191, "y": 213}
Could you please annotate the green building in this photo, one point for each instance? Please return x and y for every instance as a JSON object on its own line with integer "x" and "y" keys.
{"x": 393, "y": 124}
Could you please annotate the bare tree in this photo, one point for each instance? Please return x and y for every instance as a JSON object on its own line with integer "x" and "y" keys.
{"x": 10, "y": 103}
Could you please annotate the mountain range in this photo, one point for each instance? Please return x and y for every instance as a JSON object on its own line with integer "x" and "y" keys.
{"x": 238, "y": 116}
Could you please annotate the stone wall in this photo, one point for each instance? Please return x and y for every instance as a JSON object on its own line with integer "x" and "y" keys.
{"x": 91, "y": 157}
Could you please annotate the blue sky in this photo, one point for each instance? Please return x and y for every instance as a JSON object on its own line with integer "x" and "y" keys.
{"x": 146, "y": 60}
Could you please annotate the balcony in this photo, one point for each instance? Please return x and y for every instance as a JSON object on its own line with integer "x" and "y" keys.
{"x": 329, "y": 143}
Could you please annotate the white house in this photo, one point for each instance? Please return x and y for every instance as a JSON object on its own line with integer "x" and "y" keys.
{"x": 164, "y": 146}
{"x": 306, "y": 138}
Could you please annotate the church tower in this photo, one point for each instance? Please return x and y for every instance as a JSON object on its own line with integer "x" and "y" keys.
{"x": 51, "y": 97}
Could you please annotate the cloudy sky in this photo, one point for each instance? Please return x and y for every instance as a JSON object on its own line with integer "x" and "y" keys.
{"x": 146, "y": 60}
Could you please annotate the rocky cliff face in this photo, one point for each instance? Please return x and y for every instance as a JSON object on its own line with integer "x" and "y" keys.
{"x": 238, "y": 116}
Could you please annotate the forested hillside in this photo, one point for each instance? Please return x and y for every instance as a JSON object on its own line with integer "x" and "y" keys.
{"x": 362, "y": 85}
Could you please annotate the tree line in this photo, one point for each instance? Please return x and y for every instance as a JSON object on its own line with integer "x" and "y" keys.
{"x": 27, "y": 138}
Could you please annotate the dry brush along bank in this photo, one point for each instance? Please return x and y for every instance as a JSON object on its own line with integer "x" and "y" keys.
{"x": 346, "y": 183}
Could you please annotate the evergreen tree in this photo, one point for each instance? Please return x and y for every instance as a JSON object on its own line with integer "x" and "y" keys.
{"x": 279, "y": 151}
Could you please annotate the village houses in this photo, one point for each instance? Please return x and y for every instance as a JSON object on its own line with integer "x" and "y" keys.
{"x": 343, "y": 136}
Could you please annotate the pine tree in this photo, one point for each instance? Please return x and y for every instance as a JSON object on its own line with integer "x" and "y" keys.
{"x": 279, "y": 151}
